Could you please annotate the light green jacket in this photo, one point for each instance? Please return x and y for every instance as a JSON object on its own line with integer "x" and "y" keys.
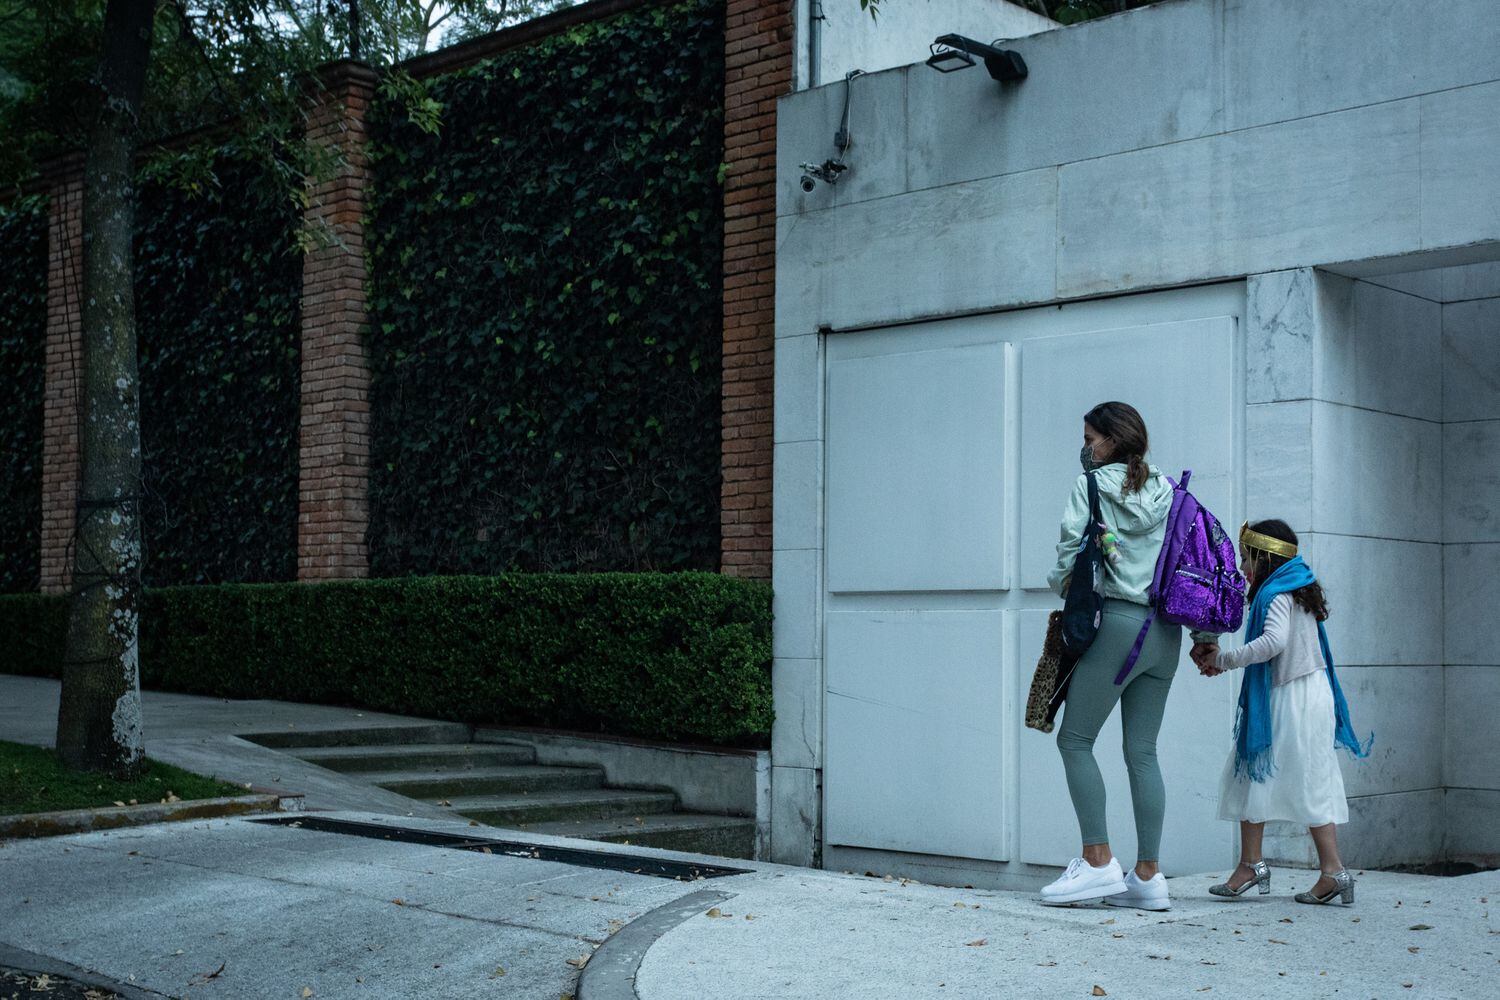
{"x": 1138, "y": 519}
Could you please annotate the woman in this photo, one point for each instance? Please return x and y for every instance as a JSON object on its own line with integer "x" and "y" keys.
{"x": 1135, "y": 499}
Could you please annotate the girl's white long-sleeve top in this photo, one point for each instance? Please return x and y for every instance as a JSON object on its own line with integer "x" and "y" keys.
{"x": 1289, "y": 643}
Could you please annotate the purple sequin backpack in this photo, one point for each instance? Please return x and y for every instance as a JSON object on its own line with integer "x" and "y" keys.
{"x": 1197, "y": 582}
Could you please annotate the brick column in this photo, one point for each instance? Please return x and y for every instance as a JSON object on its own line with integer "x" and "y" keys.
{"x": 64, "y": 367}
{"x": 335, "y": 412}
{"x": 757, "y": 70}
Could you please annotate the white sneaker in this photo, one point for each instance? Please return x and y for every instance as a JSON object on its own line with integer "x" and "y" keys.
{"x": 1150, "y": 894}
{"x": 1082, "y": 881}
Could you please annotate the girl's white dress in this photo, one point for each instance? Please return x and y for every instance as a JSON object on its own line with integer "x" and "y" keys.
{"x": 1306, "y": 786}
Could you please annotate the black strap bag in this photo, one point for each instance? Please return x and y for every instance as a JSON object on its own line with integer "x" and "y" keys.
{"x": 1083, "y": 605}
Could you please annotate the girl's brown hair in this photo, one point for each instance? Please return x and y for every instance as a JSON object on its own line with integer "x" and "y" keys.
{"x": 1122, "y": 424}
{"x": 1310, "y": 597}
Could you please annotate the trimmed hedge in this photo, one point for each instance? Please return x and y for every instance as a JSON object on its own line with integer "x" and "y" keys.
{"x": 676, "y": 656}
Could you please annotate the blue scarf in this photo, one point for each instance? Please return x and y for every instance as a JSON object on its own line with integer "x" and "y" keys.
{"x": 1252, "y": 726}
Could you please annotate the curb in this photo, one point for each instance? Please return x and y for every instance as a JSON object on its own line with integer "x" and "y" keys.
{"x": 52, "y": 824}
{"x": 611, "y": 970}
{"x": 31, "y": 962}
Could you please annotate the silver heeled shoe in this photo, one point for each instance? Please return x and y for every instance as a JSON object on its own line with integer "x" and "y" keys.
{"x": 1343, "y": 885}
{"x": 1261, "y": 876}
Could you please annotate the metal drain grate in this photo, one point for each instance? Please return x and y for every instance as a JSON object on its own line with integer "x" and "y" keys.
{"x": 682, "y": 871}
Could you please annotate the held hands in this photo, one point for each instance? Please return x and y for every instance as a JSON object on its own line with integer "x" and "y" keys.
{"x": 1206, "y": 656}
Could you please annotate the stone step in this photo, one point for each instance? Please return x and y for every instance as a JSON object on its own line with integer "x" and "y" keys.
{"x": 454, "y": 784}
{"x": 539, "y": 807}
{"x": 696, "y": 833}
{"x": 417, "y": 757}
{"x": 368, "y": 736}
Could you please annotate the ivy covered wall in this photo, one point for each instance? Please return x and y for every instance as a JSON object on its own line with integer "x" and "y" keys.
{"x": 23, "y": 334}
{"x": 218, "y": 283}
{"x": 546, "y": 304}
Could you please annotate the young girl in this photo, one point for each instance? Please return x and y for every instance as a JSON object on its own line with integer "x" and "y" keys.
{"x": 1291, "y": 715}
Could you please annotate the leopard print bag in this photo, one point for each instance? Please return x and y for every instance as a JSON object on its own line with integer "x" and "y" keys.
{"x": 1049, "y": 685}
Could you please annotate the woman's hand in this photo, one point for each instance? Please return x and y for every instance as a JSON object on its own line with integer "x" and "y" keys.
{"x": 1206, "y": 656}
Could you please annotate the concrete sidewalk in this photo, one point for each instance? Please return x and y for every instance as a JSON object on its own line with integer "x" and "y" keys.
{"x": 801, "y": 934}
{"x": 282, "y": 910}
{"x": 198, "y": 733}
{"x": 240, "y": 909}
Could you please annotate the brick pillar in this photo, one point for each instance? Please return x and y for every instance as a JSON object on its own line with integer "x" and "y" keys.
{"x": 64, "y": 368}
{"x": 757, "y": 70}
{"x": 335, "y": 414}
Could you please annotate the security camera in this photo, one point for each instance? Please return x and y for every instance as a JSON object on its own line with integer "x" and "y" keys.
{"x": 828, "y": 172}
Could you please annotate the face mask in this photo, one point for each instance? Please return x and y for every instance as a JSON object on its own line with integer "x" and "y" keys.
{"x": 1088, "y": 461}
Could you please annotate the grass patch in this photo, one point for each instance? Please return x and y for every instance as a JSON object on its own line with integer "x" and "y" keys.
{"x": 33, "y": 780}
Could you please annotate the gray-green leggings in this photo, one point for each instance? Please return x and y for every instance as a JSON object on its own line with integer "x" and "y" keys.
{"x": 1092, "y": 694}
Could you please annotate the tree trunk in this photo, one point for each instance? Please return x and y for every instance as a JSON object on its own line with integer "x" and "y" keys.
{"x": 99, "y": 721}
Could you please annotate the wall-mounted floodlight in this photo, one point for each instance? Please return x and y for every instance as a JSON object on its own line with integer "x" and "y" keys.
{"x": 954, "y": 52}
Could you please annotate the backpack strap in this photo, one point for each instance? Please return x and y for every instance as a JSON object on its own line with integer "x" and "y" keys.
{"x": 1135, "y": 650}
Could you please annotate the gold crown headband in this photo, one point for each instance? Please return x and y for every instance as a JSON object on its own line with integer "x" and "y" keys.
{"x": 1265, "y": 543}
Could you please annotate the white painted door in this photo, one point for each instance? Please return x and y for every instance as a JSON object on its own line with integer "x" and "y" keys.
{"x": 950, "y": 449}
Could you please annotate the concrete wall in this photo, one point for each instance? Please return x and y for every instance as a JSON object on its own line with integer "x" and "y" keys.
{"x": 842, "y": 37}
{"x": 1185, "y": 143}
{"x": 1346, "y": 445}
{"x": 1471, "y": 558}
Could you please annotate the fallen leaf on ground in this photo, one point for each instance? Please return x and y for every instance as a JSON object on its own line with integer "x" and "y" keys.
{"x": 1046, "y": 965}
{"x": 118, "y": 802}
{"x": 204, "y": 977}
{"x": 977, "y": 943}
{"x": 1285, "y": 920}
{"x": 579, "y": 962}
{"x": 1117, "y": 934}
{"x": 1407, "y": 985}
{"x": 1421, "y": 927}
{"x": 306, "y": 992}
{"x": 1099, "y": 991}
{"x": 713, "y": 913}
{"x": 499, "y": 971}
{"x": 1414, "y": 949}
{"x": 399, "y": 902}
{"x": 1276, "y": 940}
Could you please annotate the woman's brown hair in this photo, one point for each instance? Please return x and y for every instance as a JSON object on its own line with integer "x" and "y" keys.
{"x": 1122, "y": 424}
{"x": 1310, "y": 597}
